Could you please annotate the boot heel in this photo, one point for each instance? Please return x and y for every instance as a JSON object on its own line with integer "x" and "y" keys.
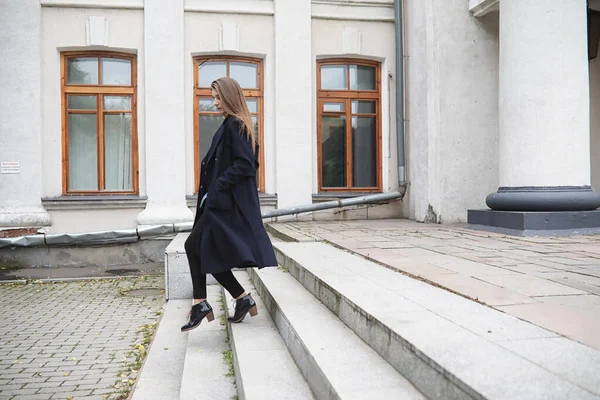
{"x": 210, "y": 316}
{"x": 253, "y": 311}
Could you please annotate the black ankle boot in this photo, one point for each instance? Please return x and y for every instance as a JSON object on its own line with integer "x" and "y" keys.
{"x": 197, "y": 314}
{"x": 243, "y": 306}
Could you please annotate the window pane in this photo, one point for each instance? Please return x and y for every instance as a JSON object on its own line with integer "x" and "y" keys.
{"x": 333, "y": 151}
{"x": 334, "y": 77}
{"x": 117, "y": 152}
{"x": 121, "y": 103}
{"x": 363, "y": 107}
{"x": 362, "y": 78}
{"x": 81, "y": 103}
{"x": 210, "y": 71}
{"x": 208, "y": 126}
{"x": 116, "y": 71}
{"x": 252, "y": 105}
{"x": 364, "y": 152}
{"x": 207, "y": 104}
{"x": 245, "y": 73}
{"x": 83, "y": 152}
{"x": 333, "y": 107}
{"x": 255, "y": 122}
{"x": 82, "y": 71}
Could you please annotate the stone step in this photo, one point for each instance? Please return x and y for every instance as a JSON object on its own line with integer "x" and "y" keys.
{"x": 449, "y": 347}
{"x": 335, "y": 362}
{"x": 264, "y": 368}
{"x": 178, "y": 281}
{"x": 160, "y": 377}
{"x": 206, "y": 371}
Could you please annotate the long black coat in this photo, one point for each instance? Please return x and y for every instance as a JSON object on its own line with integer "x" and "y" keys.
{"x": 232, "y": 232}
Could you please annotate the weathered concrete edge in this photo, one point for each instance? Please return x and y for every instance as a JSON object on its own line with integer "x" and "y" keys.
{"x": 447, "y": 386}
{"x": 239, "y": 378}
{"x": 314, "y": 375}
{"x": 152, "y": 381}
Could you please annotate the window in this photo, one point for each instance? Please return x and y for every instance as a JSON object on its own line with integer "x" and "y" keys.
{"x": 98, "y": 91}
{"x": 349, "y": 126}
{"x": 207, "y": 119}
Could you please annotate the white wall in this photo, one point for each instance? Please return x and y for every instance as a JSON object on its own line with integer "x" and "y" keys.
{"x": 64, "y": 29}
{"x": 377, "y": 43}
{"x": 20, "y": 115}
{"x": 595, "y": 122}
{"x": 255, "y": 40}
{"x": 452, "y": 103}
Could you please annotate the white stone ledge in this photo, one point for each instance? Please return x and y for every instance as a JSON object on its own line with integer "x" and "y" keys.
{"x": 479, "y": 8}
{"x": 117, "y": 4}
{"x": 99, "y": 202}
{"x": 249, "y": 7}
{"x": 353, "y": 12}
{"x": 357, "y": 3}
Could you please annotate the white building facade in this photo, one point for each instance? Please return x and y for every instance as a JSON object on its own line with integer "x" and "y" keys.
{"x": 105, "y": 107}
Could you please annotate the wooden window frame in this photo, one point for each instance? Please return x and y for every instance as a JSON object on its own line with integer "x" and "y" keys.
{"x": 257, "y": 93}
{"x": 99, "y": 90}
{"x": 346, "y": 97}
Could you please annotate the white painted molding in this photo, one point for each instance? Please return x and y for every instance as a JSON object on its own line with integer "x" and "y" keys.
{"x": 479, "y": 8}
{"x": 251, "y": 7}
{"x": 118, "y": 4}
{"x": 352, "y": 41}
{"x": 228, "y": 36}
{"x": 357, "y": 3}
{"x": 96, "y": 31}
{"x": 354, "y": 12}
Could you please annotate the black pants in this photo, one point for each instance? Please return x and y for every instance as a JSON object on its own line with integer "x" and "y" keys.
{"x": 226, "y": 279}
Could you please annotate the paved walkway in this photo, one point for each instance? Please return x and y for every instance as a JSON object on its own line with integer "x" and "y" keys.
{"x": 70, "y": 340}
{"x": 553, "y": 282}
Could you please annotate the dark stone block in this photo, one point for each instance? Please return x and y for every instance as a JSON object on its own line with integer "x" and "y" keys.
{"x": 536, "y": 223}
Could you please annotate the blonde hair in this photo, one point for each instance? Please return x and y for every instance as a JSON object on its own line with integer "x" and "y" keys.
{"x": 234, "y": 103}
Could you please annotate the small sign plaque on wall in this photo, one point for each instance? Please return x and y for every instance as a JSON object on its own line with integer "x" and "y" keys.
{"x": 10, "y": 167}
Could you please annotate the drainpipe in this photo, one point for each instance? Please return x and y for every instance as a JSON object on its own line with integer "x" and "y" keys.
{"x": 399, "y": 95}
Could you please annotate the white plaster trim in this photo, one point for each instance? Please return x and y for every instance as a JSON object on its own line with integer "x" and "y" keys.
{"x": 118, "y": 4}
{"x": 96, "y": 31}
{"x": 347, "y": 12}
{"x": 229, "y": 36}
{"x": 251, "y": 7}
{"x": 357, "y": 3}
{"x": 479, "y": 8}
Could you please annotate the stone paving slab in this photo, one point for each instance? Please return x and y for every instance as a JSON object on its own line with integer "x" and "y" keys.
{"x": 553, "y": 282}
{"x": 60, "y": 340}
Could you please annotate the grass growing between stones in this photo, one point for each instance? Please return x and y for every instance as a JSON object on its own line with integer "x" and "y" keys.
{"x": 135, "y": 359}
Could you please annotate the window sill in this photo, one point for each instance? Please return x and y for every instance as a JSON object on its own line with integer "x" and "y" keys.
{"x": 94, "y": 202}
{"x": 266, "y": 200}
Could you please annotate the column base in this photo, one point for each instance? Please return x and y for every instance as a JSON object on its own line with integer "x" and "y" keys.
{"x": 536, "y": 198}
{"x": 159, "y": 215}
{"x": 24, "y": 217}
{"x": 532, "y": 223}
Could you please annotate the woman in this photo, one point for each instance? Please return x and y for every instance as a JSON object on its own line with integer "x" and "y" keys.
{"x": 228, "y": 231}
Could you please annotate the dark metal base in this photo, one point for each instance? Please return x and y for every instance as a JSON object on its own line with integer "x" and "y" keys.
{"x": 534, "y": 198}
{"x": 532, "y": 223}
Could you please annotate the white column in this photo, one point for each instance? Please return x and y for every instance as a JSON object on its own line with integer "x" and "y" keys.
{"x": 293, "y": 97}
{"x": 165, "y": 116}
{"x": 544, "y": 94}
{"x": 20, "y": 115}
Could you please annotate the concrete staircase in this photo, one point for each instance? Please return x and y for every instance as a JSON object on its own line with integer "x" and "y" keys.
{"x": 333, "y": 325}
